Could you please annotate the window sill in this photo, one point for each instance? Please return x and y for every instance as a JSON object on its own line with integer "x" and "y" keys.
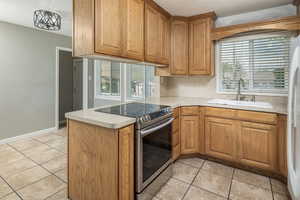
{"x": 253, "y": 93}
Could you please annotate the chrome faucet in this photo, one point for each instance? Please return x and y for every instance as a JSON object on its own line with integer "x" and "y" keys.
{"x": 238, "y": 94}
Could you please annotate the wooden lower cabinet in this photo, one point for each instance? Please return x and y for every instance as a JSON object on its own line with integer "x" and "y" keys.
{"x": 257, "y": 145}
{"x": 282, "y": 144}
{"x": 100, "y": 162}
{"x": 220, "y": 135}
{"x": 176, "y": 135}
{"x": 189, "y": 127}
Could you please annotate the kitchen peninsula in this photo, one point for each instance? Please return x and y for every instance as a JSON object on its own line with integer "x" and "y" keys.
{"x": 101, "y": 145}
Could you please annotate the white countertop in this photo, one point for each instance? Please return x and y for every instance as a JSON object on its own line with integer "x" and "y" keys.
{"x": 117, "y": 121}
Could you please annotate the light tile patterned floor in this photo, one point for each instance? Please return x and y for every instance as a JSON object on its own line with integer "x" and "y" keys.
{"x": 197, "y": 179}
{"x": 35, "y": 169}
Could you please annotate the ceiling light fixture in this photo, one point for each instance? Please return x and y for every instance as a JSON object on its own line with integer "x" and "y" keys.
{"x": 47, "y": 20}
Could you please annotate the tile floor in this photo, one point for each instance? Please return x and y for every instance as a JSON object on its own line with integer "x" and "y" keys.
{"x": 35, "y": 169}
{"x": 197, "y": 179}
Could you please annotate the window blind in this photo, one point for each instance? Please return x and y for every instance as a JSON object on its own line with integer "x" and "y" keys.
{"x": 260, "y": 63}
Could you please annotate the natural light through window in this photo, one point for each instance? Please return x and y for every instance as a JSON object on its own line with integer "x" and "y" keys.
{"x": 260, "y": 63}
{"x": 124, "y": 82}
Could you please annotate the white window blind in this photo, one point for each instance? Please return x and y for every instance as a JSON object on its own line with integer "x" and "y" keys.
{"x": 259, "y": 62}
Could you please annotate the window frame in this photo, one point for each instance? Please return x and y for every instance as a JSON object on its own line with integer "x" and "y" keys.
{"x": 97, "y": 81}
{"x": 239, "y": 38}
{"x": 124, "y": 84}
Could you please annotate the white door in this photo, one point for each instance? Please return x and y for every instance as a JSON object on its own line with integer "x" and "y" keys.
{"x": 293, "y": 140}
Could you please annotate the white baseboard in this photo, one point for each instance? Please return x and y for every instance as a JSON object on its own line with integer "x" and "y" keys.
{"x": 27, "y": 135}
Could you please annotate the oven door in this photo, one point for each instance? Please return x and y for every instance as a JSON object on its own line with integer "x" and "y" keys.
{"x": 154, "y": 152}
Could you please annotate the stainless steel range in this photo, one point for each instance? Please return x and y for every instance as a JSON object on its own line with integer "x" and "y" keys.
{"x": 153, "y": 145}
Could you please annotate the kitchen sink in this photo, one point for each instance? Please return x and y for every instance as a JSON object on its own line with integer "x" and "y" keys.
{"x": 257, "y": 104}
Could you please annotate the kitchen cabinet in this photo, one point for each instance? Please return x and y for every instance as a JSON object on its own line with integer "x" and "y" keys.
{"x": 179, "y": 47}
{"x": 176, "y": 135}
{"x": 220, "y": 135}
{"x": 156, "y": 33}
{"x": 257, "y": 145}
{"x": 133, "y": 26}
{"x": 189, "y": 130}
{"x": 192, "y": 50}
{"x": 100, "y": 162}
{"x": 282, "y": 142}
{"x": 109, "y": 28}
{"x": 201, "y": 47}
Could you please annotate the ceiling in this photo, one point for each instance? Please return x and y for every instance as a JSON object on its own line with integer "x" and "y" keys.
{"x": 221, "y": 7}
{"x": 21, "y": 11}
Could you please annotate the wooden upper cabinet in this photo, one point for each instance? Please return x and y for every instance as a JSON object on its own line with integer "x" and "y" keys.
{"x": 156, "y": 34}
{"x": 201, "y": 47}
{"x": 257, "y": 145}
{"x": 151, "y": 34}
{"x": 221, "y": 137}
{"x": 179, "y": 47}
{"x": 133, "y": 29}
{"x": 108, "y": 27}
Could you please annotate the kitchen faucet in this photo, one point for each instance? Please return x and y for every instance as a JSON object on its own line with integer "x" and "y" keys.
{"x": 238, "y": 94}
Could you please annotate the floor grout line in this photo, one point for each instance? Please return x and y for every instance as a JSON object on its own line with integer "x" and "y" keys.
{"x": 14, "y": 191}
{"x": 231, "y": 184}
{"x": 190, "y": 185}
{"x": 40, "y": 165}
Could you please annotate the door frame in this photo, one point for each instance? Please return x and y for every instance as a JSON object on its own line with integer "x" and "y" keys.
{"x": 58, "y": 49}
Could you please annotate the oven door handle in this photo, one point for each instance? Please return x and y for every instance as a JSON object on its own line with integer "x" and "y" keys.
{"x": 148, "y": 131}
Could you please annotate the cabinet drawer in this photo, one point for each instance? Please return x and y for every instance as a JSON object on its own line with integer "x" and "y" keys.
{"x": 190, "y": 110}
{"x": 175, "y": 125}
{"x": 176, "y": 112}
{"x": 220, "y": 112}
{"x": 176, "y": 152}
{"x": 175, "y": 138}
{"x": 268, "y": 118}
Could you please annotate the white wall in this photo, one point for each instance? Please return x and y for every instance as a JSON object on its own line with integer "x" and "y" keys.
{"x": 27, "y": 79}
{"x": 206, "y": 86}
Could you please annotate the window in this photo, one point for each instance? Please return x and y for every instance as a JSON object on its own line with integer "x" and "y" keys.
{"x": 119, "y": 81}
{"x": 107, "y": 77}
{"x": 140, "y": 81}
{"x": 259, "y": 63}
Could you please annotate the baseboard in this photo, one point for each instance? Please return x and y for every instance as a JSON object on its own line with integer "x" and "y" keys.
{"x": 27, "y": 135}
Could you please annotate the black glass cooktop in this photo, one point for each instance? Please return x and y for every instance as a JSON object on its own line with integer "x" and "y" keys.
{"x": 133, "y": 109}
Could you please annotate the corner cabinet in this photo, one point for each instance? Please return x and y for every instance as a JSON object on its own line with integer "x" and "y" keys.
{"x": 109, "y": 28}
{"x": 179, "y": 48}
{"x": 157, "y": 30}
{"x": 201, "y": 47}
{"x": 189, "y": 125}
{"x": 192, "y": 50}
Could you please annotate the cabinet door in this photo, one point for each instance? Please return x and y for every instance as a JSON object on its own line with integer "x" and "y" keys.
{"x": 201, "y": 47}
{"x": 257, "y": 145}
{"x": 179, "y": 48}
{"x": 165, "y": 40}
{"x": 189, "y": 134}
{"x": 152, "y": 27}
{"x": 133, "y": 29}
{"x": 220, "y": 138}
{"x": 108, "y": 36}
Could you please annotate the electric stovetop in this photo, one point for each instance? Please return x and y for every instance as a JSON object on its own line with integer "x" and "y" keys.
{"x": 134, "y": 110}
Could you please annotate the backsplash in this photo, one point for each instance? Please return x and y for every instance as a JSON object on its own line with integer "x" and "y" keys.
{"x": 204, "y": 87}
